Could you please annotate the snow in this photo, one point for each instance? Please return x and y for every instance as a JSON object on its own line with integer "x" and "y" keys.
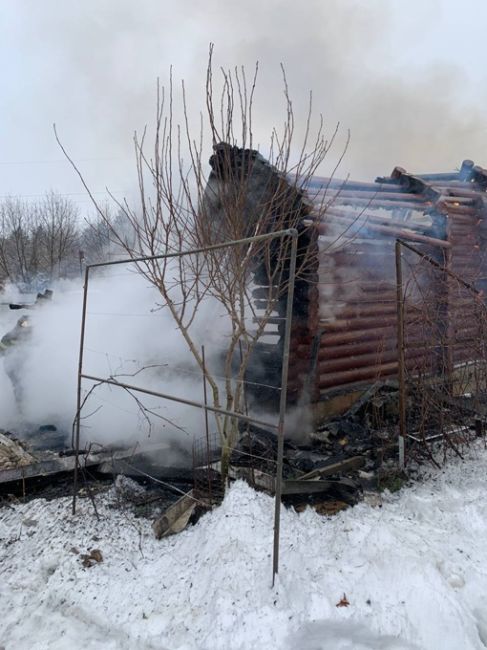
{"x": 413, "y": 570}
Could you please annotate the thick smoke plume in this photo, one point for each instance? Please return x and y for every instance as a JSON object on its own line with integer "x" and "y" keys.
{"x": 402, "y": 78}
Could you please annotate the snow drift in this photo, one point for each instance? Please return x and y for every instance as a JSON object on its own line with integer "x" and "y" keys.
{"x": 412, "y": 570}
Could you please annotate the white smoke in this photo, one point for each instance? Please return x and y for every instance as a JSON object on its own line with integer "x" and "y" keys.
{"x": 127, "y": 337}
{"x": 405, "y": 78}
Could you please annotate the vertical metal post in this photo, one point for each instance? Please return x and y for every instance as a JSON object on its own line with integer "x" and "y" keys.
{"x": 246, "y": 411}
{"x": 81, "y": 261}
{"x": 207, "y": 427}
{"x": 76, "y": 431}
{"x": 283, "y": 403}
{"x": 246, "y": 405}
{"x": 400, "y": 355}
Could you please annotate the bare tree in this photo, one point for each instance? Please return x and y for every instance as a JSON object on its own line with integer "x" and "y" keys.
{"x": 95, "y": 241}
{"x": 15, "y": 247}
{"x": 38, "y": 238}
{"x": 183, "y": 208}
{"x": 58, "y": 232}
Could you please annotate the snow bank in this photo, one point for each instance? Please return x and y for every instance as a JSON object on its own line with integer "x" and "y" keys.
{"x": 414, "y": 572}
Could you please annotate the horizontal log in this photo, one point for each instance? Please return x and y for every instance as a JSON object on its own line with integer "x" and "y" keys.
{"x": 357, "y": 302}
{"x": 368, "y": 309}
{"x": 381, "y": 201}
{"x": 451, "y": 209}
{"x": 464, "y": 236}
{"x": 453, "y": 192}
{"x": 363, "y": 361}
{"x": 408, "y": 235}
{"x": 345, "y": 343}
{"x": 372, "y": 323}
{"x": 349, "y": 376}
{"x": 440, "y": 176}
{"x": 463, "y": 221}
{"x": 353, "y": 293}
{"x": 335, "y": 318}
{"x": 458, "y": 231}
{"x": 341, "y": 338}
{"x": 462, "y": 224}
{"x": 452, "y": 186}
{"x": 360, "y": 323}
{"x": 376, "y": 193}
{"x": 373, "y": 372}
{"x": 364, "y": 218}
{"x": 318, "y": 183}
{"x": 341, "y": 351}
{"x": 459, "y": 201}
{"x": 371, "y": 343}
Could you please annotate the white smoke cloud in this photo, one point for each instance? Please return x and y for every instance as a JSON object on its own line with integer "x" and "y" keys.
{"x": 403, "y": 77}
{"x": 125, "y": 333}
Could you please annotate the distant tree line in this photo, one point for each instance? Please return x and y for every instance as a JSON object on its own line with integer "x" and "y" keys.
{"x": 47, "y": 239}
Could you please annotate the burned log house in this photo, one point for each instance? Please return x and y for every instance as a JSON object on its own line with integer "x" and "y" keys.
{"x": 345, "y": 312}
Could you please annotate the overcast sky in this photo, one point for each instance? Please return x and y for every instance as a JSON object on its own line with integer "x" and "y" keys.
{"x": 407, "y": 78}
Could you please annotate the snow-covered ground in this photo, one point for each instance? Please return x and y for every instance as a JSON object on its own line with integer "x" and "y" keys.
{"x": 414, "y": 572}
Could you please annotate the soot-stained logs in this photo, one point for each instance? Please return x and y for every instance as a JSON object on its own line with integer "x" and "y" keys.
{"x": 245, "y": 196}
{"x": 345, "y": 293}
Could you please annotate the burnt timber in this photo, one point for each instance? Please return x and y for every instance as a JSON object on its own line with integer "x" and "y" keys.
{"x": 344, "y": 330}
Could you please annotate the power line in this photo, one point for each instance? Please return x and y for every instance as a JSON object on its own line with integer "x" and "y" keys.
{"x": 59, "y": 160}
{"x": 85, "y": 194}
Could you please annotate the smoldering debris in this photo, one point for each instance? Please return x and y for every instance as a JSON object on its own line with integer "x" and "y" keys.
{"x": 28, "y": 472}
{"x": 12, "y": 453}
{"x": 344, "y": 460}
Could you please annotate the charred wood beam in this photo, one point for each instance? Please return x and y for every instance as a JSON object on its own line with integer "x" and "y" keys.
{"x": 395, "y": 233}
{"x": 375, "y": 194}
{"x": 373, "y": 360}
{"x": 324, "y": 184}
{"x": 366, "y": 218}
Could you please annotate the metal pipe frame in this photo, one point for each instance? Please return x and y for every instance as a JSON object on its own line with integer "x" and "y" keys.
{"x": 400, "y": 329}
{"x": 400, "y": 356}
{"x": 282, "y": 406}
{"x": 279, "y": 428}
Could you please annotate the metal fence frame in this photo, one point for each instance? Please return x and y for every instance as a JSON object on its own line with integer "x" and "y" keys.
{"x": 279, "y": 427}
{"x": 401, "y": 348}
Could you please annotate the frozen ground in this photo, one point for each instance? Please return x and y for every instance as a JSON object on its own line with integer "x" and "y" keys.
{"x": 414, "y": 572}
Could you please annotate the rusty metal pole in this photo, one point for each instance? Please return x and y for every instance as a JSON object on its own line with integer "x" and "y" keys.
{"x": 182, "y": 400}
{"x": 76, "y": 432}
{"x": 400, "y": 356}
{"x": 291, "y": 232}
{"x": 283, "y": 402}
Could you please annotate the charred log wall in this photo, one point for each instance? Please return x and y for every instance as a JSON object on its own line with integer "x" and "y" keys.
{"x": 344, "y": 313}
{"x": 243, "y": 182}
{"x": 443, "y": 216}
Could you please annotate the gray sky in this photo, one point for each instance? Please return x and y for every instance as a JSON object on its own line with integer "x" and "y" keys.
{"x": 407, "y": 78}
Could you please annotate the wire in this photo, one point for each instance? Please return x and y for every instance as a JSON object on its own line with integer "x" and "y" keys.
{"x": 188, "y": 371}
{"x": 156, "y": 480}
{"x": 58, "y": 160}
{"x": 32, "y": 196}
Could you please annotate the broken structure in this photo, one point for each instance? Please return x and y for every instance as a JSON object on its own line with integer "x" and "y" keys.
{"x": 345, "y": 311}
